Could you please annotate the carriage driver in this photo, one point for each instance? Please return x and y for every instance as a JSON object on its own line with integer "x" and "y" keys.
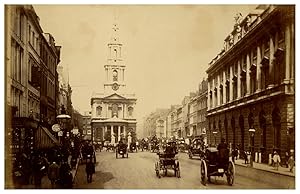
{"x": 223, "y": 150}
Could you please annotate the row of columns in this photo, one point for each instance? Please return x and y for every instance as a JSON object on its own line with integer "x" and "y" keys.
{"x": 111, "y": 131}
{"x": 289, "y": 62}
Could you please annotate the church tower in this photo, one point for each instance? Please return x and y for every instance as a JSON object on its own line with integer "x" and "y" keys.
{"x": 115, "y": 67}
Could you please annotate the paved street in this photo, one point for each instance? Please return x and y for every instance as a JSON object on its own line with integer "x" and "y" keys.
{"x": 137, "y": 172}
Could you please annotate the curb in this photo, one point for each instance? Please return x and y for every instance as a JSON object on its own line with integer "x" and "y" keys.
{"x": 266, "y": 170}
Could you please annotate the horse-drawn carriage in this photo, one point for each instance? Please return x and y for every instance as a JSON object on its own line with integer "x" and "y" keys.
{"x": 154, "y": 146}
{"x": 133, "y": 147}
{"x": 121, "y": 149}
{"x": 168, "y": 160}
{"x": 197, "y": 148}
{"x": 182, "y": 146}
{"x": 144, "y": 145}
{"x": 216, "y": 163}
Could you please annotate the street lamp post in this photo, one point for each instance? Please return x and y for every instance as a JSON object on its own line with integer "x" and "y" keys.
{"x": 63, "y": 119}
{"x": 252, "y": 133}
{"x": 215, "y": 136}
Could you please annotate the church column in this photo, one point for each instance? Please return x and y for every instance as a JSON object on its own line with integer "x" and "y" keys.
{"x": 111, "y": 134}
{"x": 106, "y": 70}
{"x": 125, "y": 133}
{"x": 123, "y": 74}
{"x": 119, "y": 133}
{"x": 105, "y": 131}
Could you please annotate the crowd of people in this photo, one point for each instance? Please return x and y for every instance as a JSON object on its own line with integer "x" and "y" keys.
{"x": 52, "y": 162}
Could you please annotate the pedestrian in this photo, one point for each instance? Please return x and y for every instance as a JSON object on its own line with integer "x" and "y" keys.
{"x": 53, "y": 173}
{"x": 64, "y": 171}
{"x": 234, "y": 155}
{"x": 286, "y": 159}
{"x": 90, "y": 170}
{"x": 245, "y": 157}
{"x": 276, "y": 160}
{"x": 38, "y": 169}
{"x": 291, "y": 161}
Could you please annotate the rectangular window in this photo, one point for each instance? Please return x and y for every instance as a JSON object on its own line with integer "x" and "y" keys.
{"x": 267, "y": 47}
{"x": 29, "y": 69}
{"x": 29, "y": 33}
{"x": 12, "y": 57}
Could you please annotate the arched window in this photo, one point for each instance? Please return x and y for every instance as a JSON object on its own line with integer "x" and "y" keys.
{"x": 115, "y": 75}
{"x": 241, "y": 123}
{"x": 276, "y": 126}
{"x": 99, "y": 110}
{"x": 233, "y": 129}
{"x": 220, "y": 129}
{"x": 114, "y": 110}
{"x": 251, "y": 120}
{"x": 130, "y": 111}
{"x": 263, "y": 128}
{"x": 226, "y": 128}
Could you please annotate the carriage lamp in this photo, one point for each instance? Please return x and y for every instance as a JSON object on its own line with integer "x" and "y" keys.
{"x": 251, "y": 133}
{"x": 215, "y": 136}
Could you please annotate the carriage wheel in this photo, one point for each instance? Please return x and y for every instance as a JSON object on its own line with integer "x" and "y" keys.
{"x": 203, "y": 172}
{"x": 166, "y": 171}
{"x": 230, "y": 173}
{"x": 156, "y": 169}
{"x": 178, "y": 170}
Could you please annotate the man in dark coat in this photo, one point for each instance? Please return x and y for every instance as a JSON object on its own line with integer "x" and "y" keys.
{"x": 223, "y": 151}
{"x": 64, "y": 174}
{"x": 90, "y": 169}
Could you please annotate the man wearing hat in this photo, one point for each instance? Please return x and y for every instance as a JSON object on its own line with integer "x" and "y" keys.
{"x": 276, "y": 160}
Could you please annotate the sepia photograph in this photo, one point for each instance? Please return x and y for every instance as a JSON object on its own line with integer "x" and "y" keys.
{"x": 149, "y": 96}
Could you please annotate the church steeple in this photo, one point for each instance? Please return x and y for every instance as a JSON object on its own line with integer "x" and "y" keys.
{"x": 115, "y": 37}
{"x": 115, "y": 67}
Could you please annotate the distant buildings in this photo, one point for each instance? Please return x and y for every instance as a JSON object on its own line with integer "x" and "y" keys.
{"x": 180, "y": 121}
{"x": 251, "y": 83}
{"x": 86, "y": 129}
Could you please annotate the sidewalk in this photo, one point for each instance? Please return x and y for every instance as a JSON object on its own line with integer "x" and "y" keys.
{"x": 46, "y": 184}
{"x": 266, "y": 167}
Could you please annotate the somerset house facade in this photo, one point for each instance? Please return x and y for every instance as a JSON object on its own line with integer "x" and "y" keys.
{"x": 251, "y": 93}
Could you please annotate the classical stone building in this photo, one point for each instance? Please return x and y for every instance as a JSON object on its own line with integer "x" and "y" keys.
{"x": 251, "y": 83}
{"x": 31, "y": 61}
{"x": 113, "y": 112}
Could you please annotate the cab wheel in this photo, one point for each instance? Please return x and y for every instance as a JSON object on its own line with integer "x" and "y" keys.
{"x": 178, "y": 170}
{"x": 203, "y": 172}
{"x": 230, "y": 173}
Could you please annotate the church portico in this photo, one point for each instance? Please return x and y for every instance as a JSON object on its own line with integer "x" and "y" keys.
{"x": 112, "y": 129}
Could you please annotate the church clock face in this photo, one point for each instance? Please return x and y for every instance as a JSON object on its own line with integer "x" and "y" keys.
{"x": 115, "y": 86}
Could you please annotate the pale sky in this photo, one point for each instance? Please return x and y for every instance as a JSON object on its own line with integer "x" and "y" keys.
{"x": 166, "y": 49}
